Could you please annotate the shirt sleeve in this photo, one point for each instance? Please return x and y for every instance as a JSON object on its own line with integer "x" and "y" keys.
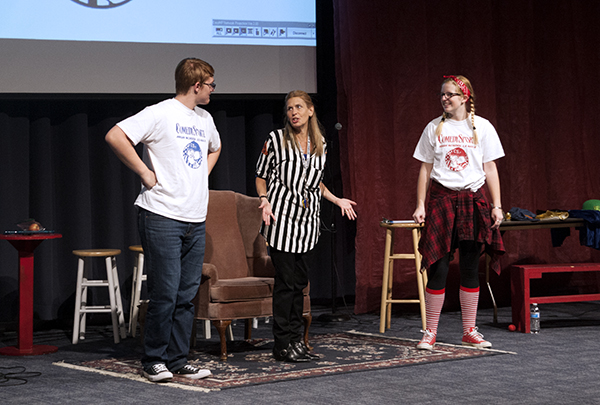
{"x": 265, "y": 159}
{"x": 140, "y": 126}
{"x": 424, "y": 151}
{"x": 214, "y": 140}
{"x": 490, "y": 143}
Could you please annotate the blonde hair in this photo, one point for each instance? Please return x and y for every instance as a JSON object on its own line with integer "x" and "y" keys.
{"x": 470, "y": 106}
{"x": 315, "y": 129}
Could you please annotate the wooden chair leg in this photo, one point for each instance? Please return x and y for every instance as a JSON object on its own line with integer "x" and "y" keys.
{"x": 222, "y": 328}
{"x": 248, "y": 329}
{"x": 307, "y": 322}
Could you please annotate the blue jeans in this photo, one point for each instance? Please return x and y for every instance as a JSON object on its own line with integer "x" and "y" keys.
{"x": 173, "y": 257}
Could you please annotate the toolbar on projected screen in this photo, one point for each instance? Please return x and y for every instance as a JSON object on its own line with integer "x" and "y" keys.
{"x": 264, "y": 29}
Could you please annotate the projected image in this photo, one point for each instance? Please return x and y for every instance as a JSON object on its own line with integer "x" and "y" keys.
{"x": 101, "y": 3}
{"x": 236, "y": 22}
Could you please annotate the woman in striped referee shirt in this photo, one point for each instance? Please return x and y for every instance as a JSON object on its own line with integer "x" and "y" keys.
{"x": 289, "y": 177}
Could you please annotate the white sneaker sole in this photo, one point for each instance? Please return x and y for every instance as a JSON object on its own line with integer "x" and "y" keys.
{"x": 485, "y": 345}
{"x": 162, "y": 377}
{"x": 425, "y": 346}
{"x": 199, "y": 375}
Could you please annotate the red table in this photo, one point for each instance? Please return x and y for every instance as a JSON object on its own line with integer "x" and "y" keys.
{"x": 26, "y": 244}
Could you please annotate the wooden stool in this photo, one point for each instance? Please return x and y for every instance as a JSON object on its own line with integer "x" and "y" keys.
{"x": 388, "y": 272}
{"x": 115, "y": 308}
{"x": 136, "y": 288}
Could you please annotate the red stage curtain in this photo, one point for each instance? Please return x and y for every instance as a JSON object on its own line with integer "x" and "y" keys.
{"x": 535, "y": 68}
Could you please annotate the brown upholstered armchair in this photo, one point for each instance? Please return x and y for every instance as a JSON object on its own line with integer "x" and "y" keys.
{"x": 237, "y": 276}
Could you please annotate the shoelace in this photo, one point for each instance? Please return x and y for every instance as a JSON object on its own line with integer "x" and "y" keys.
{"x": 475, "y": 333}
{"x": 427, "y": 334}
{"x": 159, "y": 368}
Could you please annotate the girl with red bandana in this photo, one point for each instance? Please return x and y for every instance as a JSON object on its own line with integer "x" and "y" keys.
{"x": 457, "y": 152}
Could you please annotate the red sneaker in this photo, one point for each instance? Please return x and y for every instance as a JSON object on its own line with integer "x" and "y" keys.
{"x": 475, "y": 339}
{"x": 427, "y": 341}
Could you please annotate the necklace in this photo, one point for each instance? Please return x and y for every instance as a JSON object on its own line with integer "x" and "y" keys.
{"x": 305, "y": 164}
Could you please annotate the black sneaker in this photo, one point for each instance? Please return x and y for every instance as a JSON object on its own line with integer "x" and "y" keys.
{"x": 158, "y": 373}
{"x": 192, "y": 372}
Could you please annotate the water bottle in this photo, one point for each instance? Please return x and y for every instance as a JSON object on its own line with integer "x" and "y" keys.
{"x": 535, "y": 319}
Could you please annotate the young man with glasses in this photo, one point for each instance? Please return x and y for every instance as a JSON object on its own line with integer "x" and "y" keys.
{"x": 181, "y": 146}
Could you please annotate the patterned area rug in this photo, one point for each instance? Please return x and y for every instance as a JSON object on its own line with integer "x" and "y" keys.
{"x": 251, "y": 362}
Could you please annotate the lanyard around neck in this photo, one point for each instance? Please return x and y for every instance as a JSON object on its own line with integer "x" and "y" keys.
{"x": 306, "y": 156}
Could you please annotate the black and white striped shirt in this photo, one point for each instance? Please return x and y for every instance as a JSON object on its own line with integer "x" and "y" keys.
{"x": 296, "y": 228}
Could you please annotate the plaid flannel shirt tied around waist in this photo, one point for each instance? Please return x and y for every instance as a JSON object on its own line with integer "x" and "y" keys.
{"x": 450, "y": 213}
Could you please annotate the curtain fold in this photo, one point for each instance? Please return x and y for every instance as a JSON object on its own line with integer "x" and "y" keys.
{"x": 534, "y": 68}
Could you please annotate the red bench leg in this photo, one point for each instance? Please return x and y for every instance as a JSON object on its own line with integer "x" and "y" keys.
{"x": 520, "y": 299}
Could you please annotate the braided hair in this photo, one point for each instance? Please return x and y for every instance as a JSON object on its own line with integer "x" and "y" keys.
{"x": 470, "y": 106}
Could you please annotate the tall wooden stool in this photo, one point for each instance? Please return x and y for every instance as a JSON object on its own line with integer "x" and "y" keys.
{"x": 388, "y": 271}
{"x": 136, "y": 288}
{"x": 115, "y": 308}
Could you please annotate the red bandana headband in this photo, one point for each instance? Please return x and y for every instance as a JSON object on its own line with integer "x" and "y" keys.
{"x": 463, "y": 87}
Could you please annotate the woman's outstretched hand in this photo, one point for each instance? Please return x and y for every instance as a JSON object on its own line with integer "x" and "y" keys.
{"x": 347, "y": 208}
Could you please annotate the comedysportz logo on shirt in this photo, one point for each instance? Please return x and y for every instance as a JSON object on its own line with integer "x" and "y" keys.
{"x": 456, "y": 159}
{"x": 192, "y": 153}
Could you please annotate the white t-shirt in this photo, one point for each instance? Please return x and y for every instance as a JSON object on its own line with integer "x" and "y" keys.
{"x": 457, "y": 161}
{"x": 176, "y": 144}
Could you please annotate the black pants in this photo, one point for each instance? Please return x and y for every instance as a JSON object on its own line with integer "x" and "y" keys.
{"x": 291, "y": 277}
{"x": 469, "y": 252}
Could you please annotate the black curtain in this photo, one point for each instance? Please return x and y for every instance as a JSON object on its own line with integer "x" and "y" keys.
{"x": 56, "y": 167}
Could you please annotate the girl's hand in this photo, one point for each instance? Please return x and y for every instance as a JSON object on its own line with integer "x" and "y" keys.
{"x": 419, "y": 215}
{"x": 497, "y": 217}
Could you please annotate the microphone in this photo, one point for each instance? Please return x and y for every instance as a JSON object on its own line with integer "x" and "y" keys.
{"x": 338, "y": 126}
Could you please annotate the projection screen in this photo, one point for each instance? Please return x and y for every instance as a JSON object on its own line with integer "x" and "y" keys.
{"x": 133, "y": 46}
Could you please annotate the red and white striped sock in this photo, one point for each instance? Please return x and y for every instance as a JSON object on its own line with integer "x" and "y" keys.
{"x": 434, "y": 301}
{"x": 469, "y": 298}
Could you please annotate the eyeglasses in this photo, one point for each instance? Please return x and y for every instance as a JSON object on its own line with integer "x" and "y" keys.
{"x": 213, "y": 85}
{"x": 449, "y": 95}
